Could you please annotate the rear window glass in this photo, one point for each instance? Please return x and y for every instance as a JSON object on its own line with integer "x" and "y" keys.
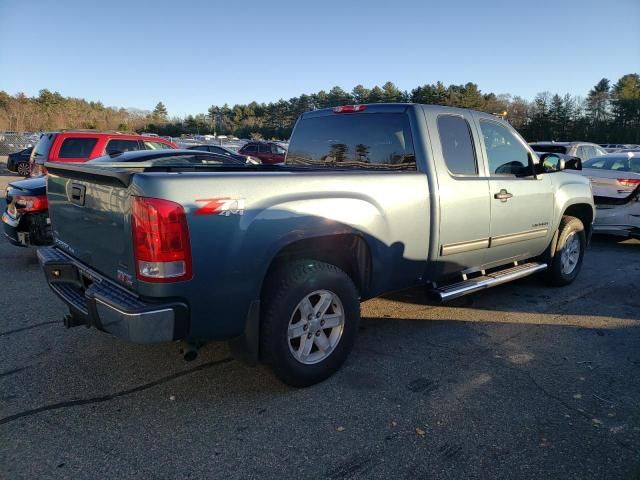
{"x": 549, "y": 148}
{"x": 370, "y": 140}
{"x": 41, "y": 150}
{"x": 457, "y": 145}
{"x": 77, "y": 147}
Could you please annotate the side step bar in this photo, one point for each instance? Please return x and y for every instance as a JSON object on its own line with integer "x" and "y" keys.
{"x": 449, "y": 292}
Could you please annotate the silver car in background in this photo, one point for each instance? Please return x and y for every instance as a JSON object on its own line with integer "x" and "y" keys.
{"x": 582, "y": 150}
{"x": 615, "y": 180}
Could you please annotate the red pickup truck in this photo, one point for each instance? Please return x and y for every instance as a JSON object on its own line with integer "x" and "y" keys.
{"x": 80, "y": 146}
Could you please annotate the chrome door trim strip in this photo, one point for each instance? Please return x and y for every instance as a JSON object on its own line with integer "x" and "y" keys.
{"x": 518, "y": 237}
{"x": 461, "y": 247}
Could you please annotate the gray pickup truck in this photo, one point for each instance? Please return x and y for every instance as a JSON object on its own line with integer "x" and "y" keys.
{"x": 276, "y": 259}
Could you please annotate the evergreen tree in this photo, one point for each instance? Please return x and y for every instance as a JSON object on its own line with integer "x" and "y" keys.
{"x": 598, "y": 101}
{"x": 159, "y": 114}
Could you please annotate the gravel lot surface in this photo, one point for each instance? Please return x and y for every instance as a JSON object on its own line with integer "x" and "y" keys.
{"x": 520, "y": 381}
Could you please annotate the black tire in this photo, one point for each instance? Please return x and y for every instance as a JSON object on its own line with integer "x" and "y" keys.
{"x": 557, "y": 275}
{"x": 285, "y": 289}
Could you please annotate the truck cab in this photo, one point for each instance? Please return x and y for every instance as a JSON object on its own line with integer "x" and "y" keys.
{"x": 276, "y": 259}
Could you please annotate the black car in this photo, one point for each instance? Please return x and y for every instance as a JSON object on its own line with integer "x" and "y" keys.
{"x": 171, "y": 156}
{"x": 19, "y": 162}
{"x": 26, "y": 218}
{"x": 225, "y": 151}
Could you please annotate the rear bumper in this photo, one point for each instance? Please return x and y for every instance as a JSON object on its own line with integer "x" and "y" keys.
{"x": 10, "y": 230}
{"x": 95, "y": 301}
{"x": 29, "y": 229}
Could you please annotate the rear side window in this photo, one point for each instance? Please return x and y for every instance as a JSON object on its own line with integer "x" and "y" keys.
{"x": 457, "y": 145}
{"x": 77, "y": 147}
{"x": 367, "y": 140}
{"x": 116, "y": 146}
{"x": 264, "y": 149}
{"x": 250, "y": 148}
{"x": 506, "y": 155}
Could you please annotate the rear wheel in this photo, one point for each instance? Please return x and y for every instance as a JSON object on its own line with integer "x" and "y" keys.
{"x": 23, "y": 169}
{"x": 310, "y": 321}
{"x": 566, "y": 262}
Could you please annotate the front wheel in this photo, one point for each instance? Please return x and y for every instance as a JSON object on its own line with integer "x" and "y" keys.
{"x": 569, "y": 252}
{"x": 309, "y": 322}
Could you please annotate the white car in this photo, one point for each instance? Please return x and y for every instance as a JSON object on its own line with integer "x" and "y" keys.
{"x": 615, "y": 180}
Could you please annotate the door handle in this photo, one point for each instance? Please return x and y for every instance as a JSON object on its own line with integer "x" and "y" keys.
{"x": 503, "y": 195}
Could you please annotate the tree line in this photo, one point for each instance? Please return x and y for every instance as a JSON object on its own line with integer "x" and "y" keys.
{"x": 610, "y": 113}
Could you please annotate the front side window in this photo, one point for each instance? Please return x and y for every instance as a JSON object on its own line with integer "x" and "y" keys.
{"x": 118, "y": 146}
{"x": 594, "y": 163}
{"x": 381, "y": 141}
{"x": 77, "y": 147}
{"x": 156, "y": 145}
{"x": 581, "y": 152}
{"x": 589, "y": 152}
{"x": 457, "y": 145}
{"x": 600, "y": 151}
{"x": 506, "y": 155}
{"x": 277, "y": 149}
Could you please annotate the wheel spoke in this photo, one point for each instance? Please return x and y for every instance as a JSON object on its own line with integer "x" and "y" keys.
{"x": 322, "y": 342}
{"x": 332, "y": 320}
{"x": 323, "y": 304}
{"x": 297, "y": 330}
{"x": 305, "y": 347}
{"x": 306, "y": 308}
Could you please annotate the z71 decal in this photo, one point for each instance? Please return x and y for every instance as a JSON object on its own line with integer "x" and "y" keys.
{"x": 221, "y": 206}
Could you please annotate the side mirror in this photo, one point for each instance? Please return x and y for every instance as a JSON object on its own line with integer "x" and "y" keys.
{"x": 552, "y": 162}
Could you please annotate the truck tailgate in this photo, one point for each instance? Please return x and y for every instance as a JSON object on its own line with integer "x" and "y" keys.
{"x": 91, "y": 221}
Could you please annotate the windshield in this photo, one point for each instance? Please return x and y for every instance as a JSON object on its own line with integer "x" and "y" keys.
{"x": 549, "y": 148}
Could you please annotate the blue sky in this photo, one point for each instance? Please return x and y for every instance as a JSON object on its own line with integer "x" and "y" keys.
{"x": 192, "y": 54}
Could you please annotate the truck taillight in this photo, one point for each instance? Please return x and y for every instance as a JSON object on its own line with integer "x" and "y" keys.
{"x": 160, "y": 240}
{"x": 25, "y": 203}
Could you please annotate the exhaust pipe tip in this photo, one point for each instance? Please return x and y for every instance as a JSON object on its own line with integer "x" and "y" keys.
{"x": 189, "y": 351}
{"x": 190, "y": 355}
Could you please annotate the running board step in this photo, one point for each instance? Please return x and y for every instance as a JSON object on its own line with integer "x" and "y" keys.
{"x": 449, "y": 292}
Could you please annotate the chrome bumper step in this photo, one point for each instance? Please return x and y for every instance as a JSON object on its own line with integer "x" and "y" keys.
{"x": 488, "y": 280}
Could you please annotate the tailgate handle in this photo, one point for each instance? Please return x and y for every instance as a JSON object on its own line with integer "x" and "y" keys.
{"x": 77, "y": 194}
